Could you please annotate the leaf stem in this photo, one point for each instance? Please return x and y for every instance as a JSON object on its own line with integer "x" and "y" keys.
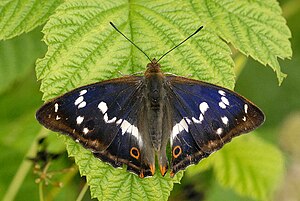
{"x": 41, "y": 193}
{"x": 82, "y": 192}
{"x": 240, "y": 61}
{"x": 23, "y": 169}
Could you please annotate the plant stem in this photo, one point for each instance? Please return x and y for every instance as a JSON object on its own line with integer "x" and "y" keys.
{"x": 41, "y": 194}
{"x": 66, "y": 178}
{"x": 82, "y": 192}
{"x": 23, "y": 169}
{"x": 240, "y": 61}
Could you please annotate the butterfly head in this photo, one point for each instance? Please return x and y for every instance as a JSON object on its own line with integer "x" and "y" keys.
{"x": 153, "y": 67}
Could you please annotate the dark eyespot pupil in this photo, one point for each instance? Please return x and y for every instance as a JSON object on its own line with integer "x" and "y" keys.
{"x": 177, "y": 151}
{"x": 90, "y": 125}
{"x": 135, "y": 152}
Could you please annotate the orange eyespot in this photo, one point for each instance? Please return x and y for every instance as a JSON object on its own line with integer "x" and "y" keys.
{"x": 134, "y": 152}
{"x": 177, "y": 151}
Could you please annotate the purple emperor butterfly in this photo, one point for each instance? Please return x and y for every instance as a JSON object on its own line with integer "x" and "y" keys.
{"x": 132, "y": 119}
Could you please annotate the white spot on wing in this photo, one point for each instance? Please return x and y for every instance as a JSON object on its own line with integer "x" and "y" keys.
{"x": 57, "y": 117}
{"x": 135, "y": 131}
{"x": 82, "y": 105}
{"x": 246, "y": 108}
{"x": 182, "y": 125}
{"x": 222, "y": 105}
{"x": 119, "y": 121}
{"x": 103, "y": 107}
{"x": 201, "y": 118}
{"x": 109, "y": 120}
{"x": 175, "y": 130}
{"x": 85, "y": 130}
{"x": 225, "y": 100}
{"x": 131, "y": 129}
{"x": 79, "y": 119}
{"x": 197, "y": 121}
{"x": 82, "y": 92}
{"x": 203, "y": 107}
{"x": 221, "y": 92}
{"x": 224, "y": 120}
{"x": 219, "y": 131}
{"x": 244, "y": 118}
{"x": 124, "y": 126}
{"x": 55, "y": 107}
{"x": 78, "y": 100}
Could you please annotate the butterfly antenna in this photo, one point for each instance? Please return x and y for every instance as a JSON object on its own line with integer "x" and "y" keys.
{"x": 129, "y": 40}
{"x": 180, "y": 43}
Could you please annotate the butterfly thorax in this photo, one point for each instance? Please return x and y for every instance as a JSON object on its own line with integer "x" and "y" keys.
{"x": 154, "y": 79}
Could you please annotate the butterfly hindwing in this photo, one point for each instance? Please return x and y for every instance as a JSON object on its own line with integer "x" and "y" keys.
{"x": 205, "y": 117}
{"x": 103, "y": 118}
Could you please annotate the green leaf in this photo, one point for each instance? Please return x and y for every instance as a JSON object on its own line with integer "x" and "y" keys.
{"x": 108, "y": 183}
{"x": 17, "y": 17}
{"x": 219, "y": 193}
{"x": 83, "y": 48}
{"x": 250, "y": 166}
{"x": 255, "y": 28}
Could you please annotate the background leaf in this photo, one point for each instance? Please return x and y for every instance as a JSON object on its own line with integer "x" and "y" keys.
{"x": 255, "y": 28}
{"x": 19, "y": 100}
{"x": 17, "y": 57}
{"x": 17, "y": 133}
{"x": 242, "y": 165}
{"x": 18, "y": 17}
{"x": 248, "y": 165}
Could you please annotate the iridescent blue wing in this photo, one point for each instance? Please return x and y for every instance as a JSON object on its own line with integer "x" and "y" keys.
{"x": 205, "y": 117}
{"x": 103, "y": 117}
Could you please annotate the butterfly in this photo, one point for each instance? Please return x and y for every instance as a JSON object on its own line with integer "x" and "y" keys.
{"x": 134, "y": 120}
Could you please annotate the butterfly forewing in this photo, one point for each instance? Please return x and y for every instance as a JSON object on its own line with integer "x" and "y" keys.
{"x": 205, "y": 117}
{"x": 103, "y": 118}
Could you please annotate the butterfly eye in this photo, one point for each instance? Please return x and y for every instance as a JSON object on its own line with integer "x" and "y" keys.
{"x": 177, "y": 151}
{"x": 134, "y": 152}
